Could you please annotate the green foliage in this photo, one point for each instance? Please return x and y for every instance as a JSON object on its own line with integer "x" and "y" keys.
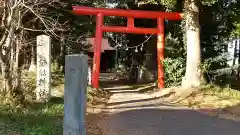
{"x": 174, "y": 45}
{"x": 217, "y": 23}
{"x": 169, "y": 3}
{"x": 175, "y": 52}
{"x": 28, "y": 85}
{"x": 236, "y": 31}
{"x": 174, "y": 71}
{"x": 41, "y": 130}
{"x": 45, "y": 119}
{"x": 221, "y": 92}
{"x": 209, "y": 2}
{"x": 173, "y": 3}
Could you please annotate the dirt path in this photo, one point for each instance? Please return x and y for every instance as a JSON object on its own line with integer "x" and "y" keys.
{"x": 144, "y": 114}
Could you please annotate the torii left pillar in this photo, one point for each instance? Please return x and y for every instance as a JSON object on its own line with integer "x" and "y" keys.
{"x": 160, "y": 52}
{"x": 130, "y": 14}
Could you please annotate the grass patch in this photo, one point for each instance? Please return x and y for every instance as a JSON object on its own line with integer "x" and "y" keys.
{"x": 209, "y": 96}
{"x": 222, "y": 92}
{"x": 44, "y": 119}
{"x": 39, "y": 119}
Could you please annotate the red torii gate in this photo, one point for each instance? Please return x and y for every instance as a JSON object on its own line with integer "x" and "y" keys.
{"x": 130, "y": 14}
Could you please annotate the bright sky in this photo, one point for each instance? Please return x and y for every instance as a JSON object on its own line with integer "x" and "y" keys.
{"x": 111, "y": 5}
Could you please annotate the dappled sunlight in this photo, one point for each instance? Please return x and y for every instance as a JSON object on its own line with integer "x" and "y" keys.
{"x": 205, "y": 97}
{"x": 165, "y": 67}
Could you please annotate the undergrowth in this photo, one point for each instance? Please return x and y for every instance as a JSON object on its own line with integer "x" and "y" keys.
{"x": 210, "y": 96}
{"x": 32, "y": 118}
{"x": 221, "y": 91}
{"x": 42, "y": 119}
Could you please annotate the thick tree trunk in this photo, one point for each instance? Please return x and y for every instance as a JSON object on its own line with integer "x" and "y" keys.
{"x": 193, "y": 76}
{"x": 6, "y": 63}
{"x": 7, "y": 45}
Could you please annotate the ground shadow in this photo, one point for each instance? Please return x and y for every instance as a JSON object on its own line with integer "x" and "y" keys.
{"x": 234, "y": 110}
{"x": 135, "y": 101}
{"x": 121, "y": 82}
{"x": 167, "y": 122}
{"x": 39, "y": 106}
{"x": 58, "y": 79}
{"x": 130, "y": 89}
{"x": 113, "y": 80}
{"x": 112, "y": 83}
{"x": 226, "y": 80}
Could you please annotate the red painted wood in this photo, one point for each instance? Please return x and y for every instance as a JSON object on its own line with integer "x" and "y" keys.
{"x": 130, "y": 22}
{"x": 97, "y": 51}
{"x": 82, "y": 10}
{"x": 130, "y": 14}
{"x": 135, "y": 30}
{"x": 160, "y": 52}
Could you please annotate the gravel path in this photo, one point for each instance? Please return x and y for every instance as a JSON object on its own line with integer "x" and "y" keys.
{"x": 140, "y": 114}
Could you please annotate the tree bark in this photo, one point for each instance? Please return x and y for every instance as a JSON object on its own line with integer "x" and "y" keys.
{"x": 6, "y": 63}
{"x": 16, "y": 65}
{"x": 61, "y": 61}
{"x": 33, "y": 66}
{"x": 193, "y": 76}
{"x": 7, "y": 45}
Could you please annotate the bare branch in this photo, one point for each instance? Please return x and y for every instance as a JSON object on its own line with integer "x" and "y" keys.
{"x": 37, "y": 16}
{"x": 29, "y": 29}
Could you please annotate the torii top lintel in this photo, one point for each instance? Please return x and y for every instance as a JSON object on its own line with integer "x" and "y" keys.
{"x": 82, "y": 10}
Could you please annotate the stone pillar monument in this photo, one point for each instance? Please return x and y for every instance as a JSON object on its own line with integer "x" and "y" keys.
{"x": 43, "y": 89}
{"x": 76, "y": 74}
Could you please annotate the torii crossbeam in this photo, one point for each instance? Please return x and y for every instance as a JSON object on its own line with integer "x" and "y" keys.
{"x": 130, "y": 15}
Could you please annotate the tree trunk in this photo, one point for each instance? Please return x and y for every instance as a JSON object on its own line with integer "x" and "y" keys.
{"x": 6, "y": 63}
{"x": 33, "y": 66}
{"x": 61, "y": 61}
{"x": 7, "y": 45}
{"x": 149, "y": 65}
{"x": 193, "y": 76}
{"x": 16, "y": 65}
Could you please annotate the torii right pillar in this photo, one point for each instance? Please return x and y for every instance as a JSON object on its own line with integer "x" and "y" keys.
{"x": 160, "y": 52}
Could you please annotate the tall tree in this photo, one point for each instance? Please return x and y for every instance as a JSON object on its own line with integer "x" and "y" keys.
{"x": 207, "y": 26}
{"x": 194, "y": 75}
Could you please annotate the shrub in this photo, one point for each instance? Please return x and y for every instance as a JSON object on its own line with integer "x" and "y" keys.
{"x": 174, "y": 71}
